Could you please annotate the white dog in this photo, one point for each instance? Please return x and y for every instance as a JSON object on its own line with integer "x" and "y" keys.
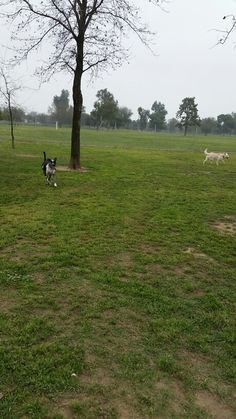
{"x": 215, "y": 156}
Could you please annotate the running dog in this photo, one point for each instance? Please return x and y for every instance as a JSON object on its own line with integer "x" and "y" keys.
{"x": 217, "y": 157}
{"x": 49, "y": 169}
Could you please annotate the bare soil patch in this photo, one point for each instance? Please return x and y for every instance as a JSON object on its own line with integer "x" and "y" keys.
{"x": 124, "y": 260}
{"x": 148, "y": 249}
{"x": 64, "y": 408}
{"x": 198, "y": 293}
{"x": 195, "y": 253}
{"x": 97, "y": 376}
{"x": 25, "y": 250}
{"x": 228, "y": 228}
{"x": 156, "y": 268}
{"x": 38, "y": 277}
{"x": 31, "y": 156}
{"x": 227, "y": 225}
{"x": 126, "y": 411}
{"x": 208, "y": 402}
{"x": 198, "y": 363}
{"x": 176, "y": 390}
{"x": 67, "y": 169}
{"x": 8, "y": 302}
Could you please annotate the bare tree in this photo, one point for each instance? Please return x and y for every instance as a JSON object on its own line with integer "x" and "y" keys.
{"x": 84, "y": 35}
{"x": 8, "y": 90}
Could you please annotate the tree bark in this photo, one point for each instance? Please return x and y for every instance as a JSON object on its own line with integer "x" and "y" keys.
{"x": 77, "y": 106}
{"x": 12, "y": 126}
{"x": 76, "y": 125}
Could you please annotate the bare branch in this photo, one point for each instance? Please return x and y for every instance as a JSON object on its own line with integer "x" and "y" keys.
{"x": 228, "y": 32}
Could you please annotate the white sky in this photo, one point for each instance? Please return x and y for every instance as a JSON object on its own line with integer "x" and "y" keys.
{"x": 188, "y": 63}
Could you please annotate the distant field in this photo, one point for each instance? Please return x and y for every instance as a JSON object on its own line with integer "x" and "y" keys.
{"x": 124, "y": 276}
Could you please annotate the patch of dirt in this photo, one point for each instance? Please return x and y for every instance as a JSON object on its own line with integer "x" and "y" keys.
{"x": 67, "y": 169}
{"x": 24, "y": 250}
{"x": 226, "y": 225}
{"x": 195, "y": 253}
{"x": 206, "y": 373}
{"x": 179, "y": 270}
{"x": 7, "y": 303}
{"x": 124, "y": 260}
{"x": 176, "y": 389}
{"x": 156, "y": 268}
{"x": 197, "y": 362}
{"x": 214, "y": 407}
{"x": 148, "y": 249}
{"x": 228, "y": 228}
{"x": 198, "y": 293}
{"x": 119, "y": 399}
{"x": 18, "y": 255}
{"x": 97, "y": 376}
{"x": 64, "y": 169}
{"x": 204, "y": 172}
{"x": 38, "y": 277}
{"x": 90, "y": 358}
{"x": 28, "y": 155}
{"x": 125, "y": 411}
{"x": 65, "y": 409}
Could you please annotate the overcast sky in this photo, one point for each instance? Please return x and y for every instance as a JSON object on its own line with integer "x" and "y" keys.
{"x": 187, "y": 63}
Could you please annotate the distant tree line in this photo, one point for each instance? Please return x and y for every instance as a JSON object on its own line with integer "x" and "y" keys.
{"x": 107, "y": 113}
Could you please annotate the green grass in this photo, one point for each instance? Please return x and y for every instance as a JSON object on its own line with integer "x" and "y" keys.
{"x": 123, "y": 275}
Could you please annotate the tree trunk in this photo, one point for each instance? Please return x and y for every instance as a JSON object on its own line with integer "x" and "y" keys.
{"x": 76, "y": 121}
{"x": 77, "y": 100}
{"x": 12, "y": 126}
{"x": 185, "y": 130}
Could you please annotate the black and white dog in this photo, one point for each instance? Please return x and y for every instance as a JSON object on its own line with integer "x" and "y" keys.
{"x": 49, "y": 169}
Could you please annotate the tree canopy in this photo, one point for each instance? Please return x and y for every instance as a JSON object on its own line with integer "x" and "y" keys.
{"x": 105, "y": 108}
{"x": 144, "y": 115}
{"x": 61, "y": 110}
{"x": 187, "y": 114}
{"x": 158, "y": 116}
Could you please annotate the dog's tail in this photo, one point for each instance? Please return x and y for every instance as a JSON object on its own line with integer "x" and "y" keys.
{"x": 205, "y": 151}
{"x": 44, "y": 155}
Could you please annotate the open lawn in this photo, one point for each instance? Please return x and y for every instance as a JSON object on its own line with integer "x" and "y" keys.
{"x": 118, "y": 287}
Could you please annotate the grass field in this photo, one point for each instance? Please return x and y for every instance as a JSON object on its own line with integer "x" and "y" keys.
{"x": 118, "y": 287}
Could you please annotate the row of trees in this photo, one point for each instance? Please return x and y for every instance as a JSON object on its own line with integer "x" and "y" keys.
{"x": 107, "y": 113}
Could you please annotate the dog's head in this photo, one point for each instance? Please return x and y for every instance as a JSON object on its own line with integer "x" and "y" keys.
{"x": 226, "y": 155}
{"x": 53, "y": 162}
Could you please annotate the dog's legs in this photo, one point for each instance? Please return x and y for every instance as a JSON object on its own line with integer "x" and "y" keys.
{"x": 54, "y": 183}
{"x": 51, "y": 181}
